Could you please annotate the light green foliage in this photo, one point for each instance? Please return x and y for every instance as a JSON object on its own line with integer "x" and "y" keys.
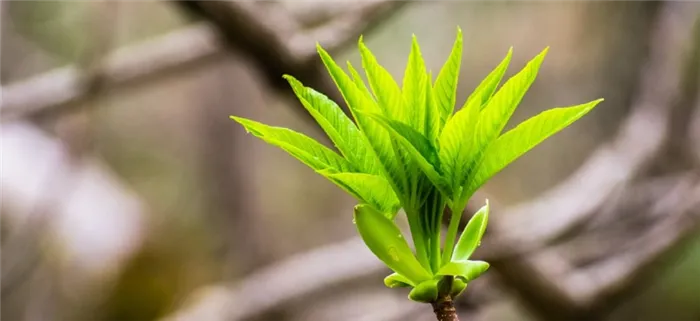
{"x": 516, "y": 142}
{"x": 469, "y": 270}
{"x": 341, "y": 130}
{"x": 426, "y": 291}
{"x": 396, "y": 280}
{"x": 446, "y": 82}
{"x": 305, "y": 149}
{"x": 372, "y": 189}
{"x": 404, "y": 148}
{"x": 471, "y": 237}
{"x": 385, "y": 240}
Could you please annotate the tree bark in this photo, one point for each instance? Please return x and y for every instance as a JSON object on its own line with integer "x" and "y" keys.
{"x": 444, "y": 309}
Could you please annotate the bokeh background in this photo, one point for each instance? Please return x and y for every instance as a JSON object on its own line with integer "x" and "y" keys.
{"x": 128, "y": 194}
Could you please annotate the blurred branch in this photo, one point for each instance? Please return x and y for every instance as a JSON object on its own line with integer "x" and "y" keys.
{"x": 231, "y": 208}
{"x": 63, "y": 88}
{"x": 51, "y": 198}
{"x": 603, "y": 285}
{"x": 274, "y": 49}
{"x": 297, "y": 277}
{"x": 275, "y": 42}
{"x": 548, "y": 282}
{"x": 636, "y": 146}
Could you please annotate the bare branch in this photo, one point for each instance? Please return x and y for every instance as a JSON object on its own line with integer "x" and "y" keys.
{"x": 279, "y": 46}
{"x": 603, "y": 285}
{"x": 637, "y": 144}
{"x": 296, "y": 277}
{"x": 58, "y": 89}
{"x": 242, "y": 24}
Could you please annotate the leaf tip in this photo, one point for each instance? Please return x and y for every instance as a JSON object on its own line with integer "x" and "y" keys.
{"x": 537, "y": 61}
{"x": 291, "y": 80}
{"x": 322, "y": 52}
{"x": 487, "y": 210}
{"x": 237, "y": 119}
{"x": 593, "y": 104}
{"x": 414, "y": 42}
{"x": 244, "y": 122}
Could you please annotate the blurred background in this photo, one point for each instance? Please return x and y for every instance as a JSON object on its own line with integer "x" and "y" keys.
{"x": 128, "y": 194}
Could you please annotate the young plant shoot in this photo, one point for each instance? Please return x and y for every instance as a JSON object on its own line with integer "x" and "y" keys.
{"x": 407, "y": 149}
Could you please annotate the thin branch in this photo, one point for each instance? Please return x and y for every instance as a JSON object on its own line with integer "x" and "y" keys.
{"x": 636, "y": 146}
{"x": 296, "y": 277}
{"x": 279, "y": 46}
{"x": 540, "y": 279}
{"x": 131, "y": 66}
{"x": 602, "y": 286}
{"x": 197, "y": 46}
{"x": 270, "y": 36}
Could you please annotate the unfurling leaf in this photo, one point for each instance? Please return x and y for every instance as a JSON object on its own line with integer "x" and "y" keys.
{"x": 426, "y": 291}
{"x": 458, "y": 286}
{"x": 472, "y": 234}
{"x": 469, "y": 270}
{"x": 385, "y": 240}
{"x": 396, "y": 280}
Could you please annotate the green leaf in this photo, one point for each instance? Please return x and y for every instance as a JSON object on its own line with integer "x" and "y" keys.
{"x": 305, "y": 149}
{"x": 458, "y": 286}
{"x": 469, "y": 270}
{"x": 413, "y": 91}
{"x": 377, "y": 137}
{"x": 433, "y": 124}
{"x": 472, "y": 234}
{"x": 385, "y": 240}
{"x": 383, "y": 85}
{"x": 446, "y": 82}
{"x": 418, "y": 147}
{"x": 455, "y": 142}
{"x": 370, "y": 189}
{"x": 524, "y": 137}
{"x": 396, "y": 280}
{"x": 357, "y": 79}
{"x": 496, "y": 114}
{"x": 499, "y": 108}
{"x": 339, "y": 128}
{"x": 488, "y": 86}
{"x": 425, "y": 292}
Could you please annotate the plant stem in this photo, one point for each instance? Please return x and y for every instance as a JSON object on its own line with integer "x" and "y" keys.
{"x": 451, "y": 237}
{"x": 435, "y": 257}
{"x": 418, "y": 239}
{"x": 444, "y": 309}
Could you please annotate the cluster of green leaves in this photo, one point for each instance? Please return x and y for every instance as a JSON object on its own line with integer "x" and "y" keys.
{"x": 407, "y": 149}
